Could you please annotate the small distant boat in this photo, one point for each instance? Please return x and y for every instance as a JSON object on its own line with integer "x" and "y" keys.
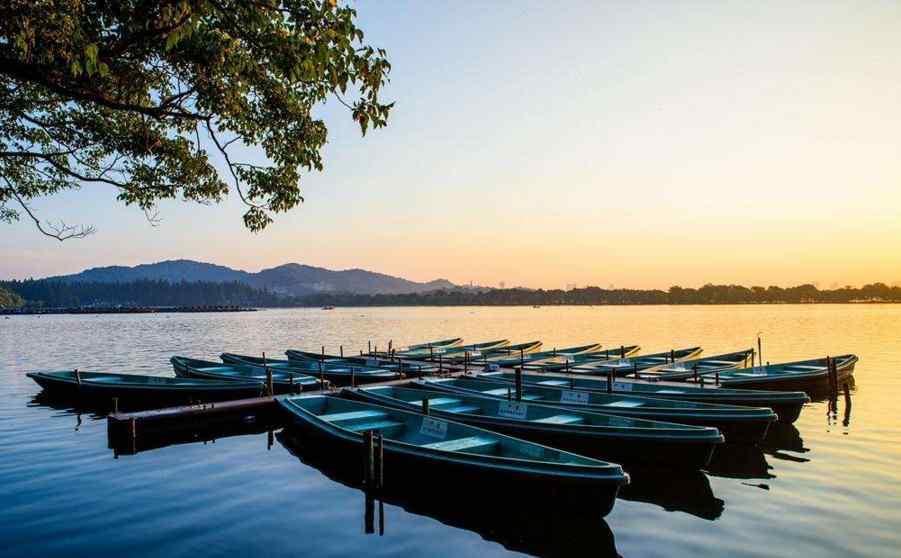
{"x": 786, "y": 404}
{"x": 738, "y": 424}
{"x": 811, "y": 375}
{"x": 698, "y": 366}
{"x": 101, "y": 386}
{"x": 283, "y": 381}
{"x": 609, "y": 437}
{"x": 633, "y": 365}
{"x": 328, "y": 307}
{"x": 434, "y": 447}
{"x": 331, "y": 371}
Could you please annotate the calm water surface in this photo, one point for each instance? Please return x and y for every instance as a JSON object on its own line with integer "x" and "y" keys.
{"x": 828, "y": 486}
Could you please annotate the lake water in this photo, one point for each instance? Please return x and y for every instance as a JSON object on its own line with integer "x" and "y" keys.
{"x": 828, "y": 486}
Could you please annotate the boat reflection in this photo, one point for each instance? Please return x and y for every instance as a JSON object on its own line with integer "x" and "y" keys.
{"x": 740, "y": 461}
{"x": 684, "y": 491}
{"x": 538, "y": 528}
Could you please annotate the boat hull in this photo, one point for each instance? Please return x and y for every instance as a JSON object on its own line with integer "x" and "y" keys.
{"x": 813, "y": 384}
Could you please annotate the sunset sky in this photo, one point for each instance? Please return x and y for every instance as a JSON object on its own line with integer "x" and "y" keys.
{"x": 540, "y": 144}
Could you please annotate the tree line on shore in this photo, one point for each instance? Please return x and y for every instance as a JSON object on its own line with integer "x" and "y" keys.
{"x": 57, "y": 294}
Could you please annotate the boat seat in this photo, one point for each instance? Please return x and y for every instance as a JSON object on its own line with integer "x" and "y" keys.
{"x": 374, "y": 425}
{"x": 463, "y": 444}
{"x": 562, "y": 419}
{"x": 460, "y": 409}
{"x": 352, "y": 415}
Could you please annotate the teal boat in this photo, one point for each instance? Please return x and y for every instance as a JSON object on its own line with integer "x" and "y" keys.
{"x": 418, "y": 446}
{"x": 440, "y": 344}
{"x": 439, "y": 353}
{"x": 515, "y": 360}
{"x": 133, "y": 388}
{"x": 282, "y": 381}
{"x": 811, "y": 376}
{"x": 635, "y": 364}
{"x": 342, "y": 374}
{"x": 608, "y": 437}
{"x": 699, "y": 366}
{"x": 738, "y": 424}
{"x": 563, "y": 362}
{"x": 485, "y": 356}
{"x": 786, "y": 404}
{"x": 302, "y": 359}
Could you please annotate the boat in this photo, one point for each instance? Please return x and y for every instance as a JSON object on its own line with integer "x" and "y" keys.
{"x": 786, "y": 404}
{"x": 737, "y": 424}
{"x": 609, "y": 437}
{"x": 487, "y": 355}
{"x": 440, "y": 353}
{"x": 440, "y": 344}
{"x": 565, "y": 361}
{"x": 419, "y": 446}
{"x": 133, "y": 388}
{"x": 302, "y": 359}
{"x": 283, "y": 381}
{"x": 328, "y": 307}
{"x": 810, "y": 375}
{"x": 542, "y": 355}
{"x": 698, "y": 366}
{"x": 633, "y": 365}
{"x": 336, "y": 373}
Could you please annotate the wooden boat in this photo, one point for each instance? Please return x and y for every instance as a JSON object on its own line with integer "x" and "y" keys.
{"x": 609, "y": 437}
{"x": 565, "y": 361}
{"x": 434, "y": 354}
{"x": 302, "y": 359}
{"x": 133, "y": 388}
{"x": 708, "y": 365}
{"x": 534, "y": 356}
{"x": 424, "y": 445}
{"x": 334, "y": 372}
{"x": 786, "y": 404}
{"x": 633, "y": 365}
{"x": 283, "y": 381}
{"x": 738, "y": 424}
{"x": 811, "y": 375}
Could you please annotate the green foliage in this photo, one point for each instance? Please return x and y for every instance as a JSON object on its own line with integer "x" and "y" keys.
{"x": 10, "y": 299}
{"x": 120, "y": 94}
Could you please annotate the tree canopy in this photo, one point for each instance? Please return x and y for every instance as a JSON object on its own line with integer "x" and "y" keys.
{"x": 120, "y": 93}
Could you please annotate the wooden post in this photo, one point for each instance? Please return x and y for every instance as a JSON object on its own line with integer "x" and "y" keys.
{"x": 380, "y": 461}
{"x": 695, "y": 370}
{"x": 132, "y": 428}
{"x": 353, "y": 376}
{"x": 369, "y": 345}
{"x": 269, "y": 388}
{"x": 610, "y": 381}
{"x": 759, "y": 350}
{"x": 425, "y": 405}
{"x": 622, "y": 351}
{"x": 466, "y": 362}
{"x": 672, "y": 356}
{"x": 77, "y": 377}
{"x": 341, "y": 350}
{"x": 717, "y": 377}
{"x": 368, "y": 458}
{"x": 519, "y": 384}
{"x": 440, "y": 364}
{"x": 115, "y": 405}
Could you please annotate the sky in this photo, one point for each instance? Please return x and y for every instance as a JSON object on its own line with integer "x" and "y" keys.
{"x": 544, "y": 144}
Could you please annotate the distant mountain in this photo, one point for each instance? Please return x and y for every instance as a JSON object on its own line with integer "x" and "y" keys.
{"x": 289, "y": 279}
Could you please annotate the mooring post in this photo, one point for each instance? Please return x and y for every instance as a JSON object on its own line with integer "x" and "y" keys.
{"x": 622, "y": 351}
{"x": 610, "y": 381}
{"x": 440, "y": 364}
{"x": 380, "y": 461}
{"x": 77, "y": 377}
{"x": 694, "y": 369}
{"x": 369, "y": 345}
{"x": 759, "y": 350}
{"x": 368, "y": 458}
{"x": 353, "y": 376}
{"x": 509, "y": 394}
{"x": 425, "y": 405}
{"x": 672, "y": 356}
{"x": 519, "y": 384}
{"x": 115, "y": 405}
{"x": 635, "y": 369}
{"x": 466, "y": 362}
{"x": 341, "y": 350}
{"x": 269, "y": 387}
{"x": 717, "y": 376}
{"x": 431, "y": 353}
{"x": 132, "y": 428}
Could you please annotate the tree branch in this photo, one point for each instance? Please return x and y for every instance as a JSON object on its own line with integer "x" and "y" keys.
{"x": 61, "y": 231}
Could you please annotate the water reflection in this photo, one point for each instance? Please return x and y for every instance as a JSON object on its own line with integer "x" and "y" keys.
{"x": 517, "y": 522}
{"x": 685, "y": 491}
